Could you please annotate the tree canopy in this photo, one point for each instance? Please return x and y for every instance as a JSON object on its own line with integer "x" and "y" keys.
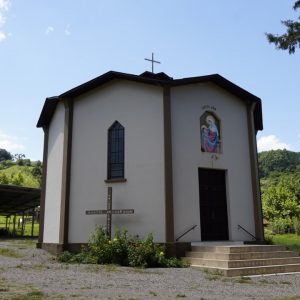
{"x": 291, "y": 39}
{"x": 280, "y": 186}
{"x": 275, "y": 161}
{"x": 5, "y": 155}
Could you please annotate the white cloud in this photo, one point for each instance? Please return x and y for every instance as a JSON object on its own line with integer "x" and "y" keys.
{"x": 2, "y": 36}
{"x": 67, "y": 30}
{"x": 271, "y": 142}
{"x": 10, "y": 143}
{"x": 2, "y": 19}
{"x": 4, "y": 5}
{"x": 49, "y": 30}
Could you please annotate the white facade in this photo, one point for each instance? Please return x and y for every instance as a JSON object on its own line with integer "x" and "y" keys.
{"x": 187, "y": 158}
{"x": 54, "y": 176}
{"x": 139, "y": 108}
{"x": 162, "y": 157}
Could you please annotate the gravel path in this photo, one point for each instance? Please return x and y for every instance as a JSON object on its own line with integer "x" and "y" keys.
{"x": 36, "y": 275}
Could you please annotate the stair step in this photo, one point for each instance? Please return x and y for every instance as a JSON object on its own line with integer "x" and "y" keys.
{"x": 240, "y": 256}
{"x": 242, "y": 263}
{"x": 238, "y": 248}
{"x": 243, "y": 260}
{"x": 233, "y": 272}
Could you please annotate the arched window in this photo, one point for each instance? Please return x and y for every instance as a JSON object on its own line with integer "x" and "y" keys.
{"x": 115, "y": 157}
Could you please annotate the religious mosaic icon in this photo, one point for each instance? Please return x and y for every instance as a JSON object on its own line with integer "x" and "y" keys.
{"x": 210, "y": 133}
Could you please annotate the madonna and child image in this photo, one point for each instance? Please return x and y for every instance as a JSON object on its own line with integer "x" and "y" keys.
{"x": 210, "y": 135}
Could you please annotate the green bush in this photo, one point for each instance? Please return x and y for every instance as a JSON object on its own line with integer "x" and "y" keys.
{"x": 123, "y": 250}
{"x": 3, "y": 179}
{"x": 146, "y": 253}
{"x": 81, "y": 258}
{"x": 100, "y": 246}
{"x": 296, "y": 225}
{"x": 281, "y": 225}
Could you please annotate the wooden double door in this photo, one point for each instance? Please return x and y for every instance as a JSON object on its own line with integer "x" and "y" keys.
{"x": 213, "y": 205}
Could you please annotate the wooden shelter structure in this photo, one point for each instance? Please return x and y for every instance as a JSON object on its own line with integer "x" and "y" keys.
{"x": 19, "y": 201}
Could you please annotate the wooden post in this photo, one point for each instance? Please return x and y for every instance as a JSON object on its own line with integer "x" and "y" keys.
{"x": 23, "y": 224}
{"x": 109, "y": 207}
{"x": 32, "y": 222}
{"x": 109, "y": 212}
{"x": 14, "y": 226}
{"x": 6, "y": 220}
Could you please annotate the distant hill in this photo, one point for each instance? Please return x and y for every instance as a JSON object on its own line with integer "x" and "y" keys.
{"x": 18, "y": 170}
{"x": 278, "y": 162}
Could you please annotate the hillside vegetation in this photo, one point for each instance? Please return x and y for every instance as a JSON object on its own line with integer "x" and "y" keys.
{"x": 18, "y": 170}
{"x": 280, "y": 185}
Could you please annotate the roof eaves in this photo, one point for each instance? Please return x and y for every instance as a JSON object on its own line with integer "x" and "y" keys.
{"x": 230, "y": 87}
{"x": 47, "y": 111}
{"x": 98, "y": 81}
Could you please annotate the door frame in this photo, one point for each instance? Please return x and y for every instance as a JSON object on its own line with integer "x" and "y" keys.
{"x": 225, "y": 171}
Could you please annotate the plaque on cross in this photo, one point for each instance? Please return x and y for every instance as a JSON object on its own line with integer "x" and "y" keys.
{"x": 109, "y": 212}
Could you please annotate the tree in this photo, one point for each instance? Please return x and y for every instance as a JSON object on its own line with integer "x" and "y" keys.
{"x": 291, "y": 39}
{"x": 5, "y": 155}
{"x": 37, "y": 172}
{"x": 19, "y": 158}
{"x": 281, "y": 202}
{"x": 277, "y": 161}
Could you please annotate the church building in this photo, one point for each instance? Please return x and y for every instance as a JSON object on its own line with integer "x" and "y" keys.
{"x": 151, "y": 154}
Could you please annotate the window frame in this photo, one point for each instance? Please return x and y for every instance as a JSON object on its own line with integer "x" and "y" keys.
{"x": 116, "y": 153}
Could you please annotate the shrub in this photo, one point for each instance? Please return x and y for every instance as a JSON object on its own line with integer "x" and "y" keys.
{"x": 296, "y": 225}
{"x": 146, "y": 253}
{"x": 123, "y": 250}
{"x": 81, "y": 258}
{"x": 281, "y": 225}
{"x": 100, "y": 246}
{"x": 120, "y": 246}
{"x": 3, "y": 179}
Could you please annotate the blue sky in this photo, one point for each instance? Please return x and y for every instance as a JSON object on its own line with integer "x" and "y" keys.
{"x": 48, "y": 47}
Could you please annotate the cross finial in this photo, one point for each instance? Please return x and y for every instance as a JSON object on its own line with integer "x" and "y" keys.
{"x": 152, "y": 61}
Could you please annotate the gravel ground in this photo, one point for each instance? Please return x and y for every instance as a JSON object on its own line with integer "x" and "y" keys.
{"x": 35, "y": 274}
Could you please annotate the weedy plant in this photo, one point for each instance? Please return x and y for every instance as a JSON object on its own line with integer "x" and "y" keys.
{"x": 123, "y": 250}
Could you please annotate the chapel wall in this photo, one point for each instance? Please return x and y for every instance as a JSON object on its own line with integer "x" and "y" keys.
{"x": 54, "y": 176}
{"x": 188, "y": 103}
{"x": 139, "y": 108}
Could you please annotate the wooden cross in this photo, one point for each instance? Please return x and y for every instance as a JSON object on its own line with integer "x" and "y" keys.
{"x": 153, "y": 61}
{"x": 109, "y": 212}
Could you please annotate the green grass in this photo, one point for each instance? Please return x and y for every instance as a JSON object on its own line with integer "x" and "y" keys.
{"x": 243, "y": 279}
{"x": 27, "y": 231}
{"x": 9, "y": 253}
{"x": 292, "y": 241}
{"x": 34, "y": 295}
{"x": 180, "y": 295}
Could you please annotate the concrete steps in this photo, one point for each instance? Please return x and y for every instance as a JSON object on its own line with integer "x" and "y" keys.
{"x": 243, "y": 260}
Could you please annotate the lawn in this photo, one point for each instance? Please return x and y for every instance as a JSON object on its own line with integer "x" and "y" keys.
{"x": 27, "y": 231}
{"x": 292, "y": 241}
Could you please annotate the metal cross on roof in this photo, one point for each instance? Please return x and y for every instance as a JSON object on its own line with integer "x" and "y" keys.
{"x": 153, "y": 61}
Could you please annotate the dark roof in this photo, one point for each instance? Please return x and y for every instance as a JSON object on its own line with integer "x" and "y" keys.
{"x": 159, "y": 79}
{"x": 16, "y": 199}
